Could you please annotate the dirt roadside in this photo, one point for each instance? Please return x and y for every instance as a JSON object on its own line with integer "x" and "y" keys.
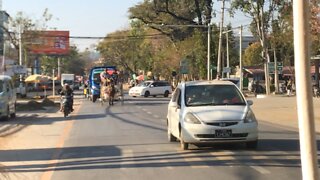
{"x": 282, "y": 110}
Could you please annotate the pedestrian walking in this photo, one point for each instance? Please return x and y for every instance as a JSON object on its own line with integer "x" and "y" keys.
{"x": 289, "y": 87}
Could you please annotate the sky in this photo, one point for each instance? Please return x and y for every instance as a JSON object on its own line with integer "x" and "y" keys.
{"x": 95, "y": 18}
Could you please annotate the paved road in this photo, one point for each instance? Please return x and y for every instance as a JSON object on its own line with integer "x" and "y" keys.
{"x": 129, "y": 142}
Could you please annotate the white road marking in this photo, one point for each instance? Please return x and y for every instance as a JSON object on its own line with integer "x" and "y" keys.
{"x": 167, "y": 164}
{"x": 260, "y": 169}
{"x": 223, "y": 155}
{"x": 192, "y": 159}
{"x": 126, "y": 154}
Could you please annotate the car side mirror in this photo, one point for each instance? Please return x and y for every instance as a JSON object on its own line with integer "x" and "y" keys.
{"x": 151, "y": 86}
{"x": 250, "y": 102}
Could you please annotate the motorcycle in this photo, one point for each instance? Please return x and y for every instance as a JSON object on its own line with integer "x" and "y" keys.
{"x": 66, "y": 105}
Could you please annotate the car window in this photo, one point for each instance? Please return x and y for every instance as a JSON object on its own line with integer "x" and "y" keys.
{"x": 96, "y": 78}
{"x": 163, "y": 83}
{"x": 143, "y": 84}
{"x": 155, "y": 84}
{"x": 213, "y": 95}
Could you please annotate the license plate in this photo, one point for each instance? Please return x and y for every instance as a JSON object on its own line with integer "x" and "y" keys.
{"x": 223, "y": 133}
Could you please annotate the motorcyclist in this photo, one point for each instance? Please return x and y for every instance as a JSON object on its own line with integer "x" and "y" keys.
{"x": 68, "y": 92}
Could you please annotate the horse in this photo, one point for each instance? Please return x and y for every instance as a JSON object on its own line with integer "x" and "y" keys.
{"x": 111, "y": 91}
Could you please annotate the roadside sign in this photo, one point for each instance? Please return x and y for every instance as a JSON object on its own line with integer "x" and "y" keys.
{"x": 271, "y": 67}
{"x": 17, "y": 69}
{"x": 184, "y": 66}
{"x": 226, "y": 70}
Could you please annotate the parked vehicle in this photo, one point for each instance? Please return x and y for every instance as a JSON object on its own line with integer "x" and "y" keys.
{"x": 67, "y": 79}
{"x": 202, "y": 112}
{"x": 235, "y": 81}
{"x": 151, "y": 88}
{"x": 8, "y": 98}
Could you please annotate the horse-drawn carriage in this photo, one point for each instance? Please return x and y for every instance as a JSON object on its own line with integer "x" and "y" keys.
{"x": 108, "y": 92}
{"x": 110, "y": 87}
{"x": 104, "y": 83}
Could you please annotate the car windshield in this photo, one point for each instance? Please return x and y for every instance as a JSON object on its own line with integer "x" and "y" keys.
{"x": 96, "y": 77}
{"x": 144, "y": 84}
{"x": 205, "y": 95}
{"x": 1, "y": 86}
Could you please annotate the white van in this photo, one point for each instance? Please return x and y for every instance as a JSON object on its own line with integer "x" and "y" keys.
{"x": 7, "y": 98}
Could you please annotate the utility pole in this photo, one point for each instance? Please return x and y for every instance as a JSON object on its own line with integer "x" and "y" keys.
{"x": 59, "y": 68}
{"x": 308, "y": 151}
{"x": 240, "y": 60}
{"x": 20, "y": 55}
{"x": 208, "y": 62}
{"x": 53, "y": 84}
{"x": 276, "y": 74}
{"x": 228, "y": 60}
{"x": 220, "y": 40}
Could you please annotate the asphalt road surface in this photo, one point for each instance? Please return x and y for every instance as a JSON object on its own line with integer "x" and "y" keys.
{"x": 129, "y": 141}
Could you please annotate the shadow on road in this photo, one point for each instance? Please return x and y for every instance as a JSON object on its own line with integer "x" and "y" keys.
{"x": 110, "y": 157}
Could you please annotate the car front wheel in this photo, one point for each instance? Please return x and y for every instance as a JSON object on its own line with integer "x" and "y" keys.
{"x": 147, "y": 94}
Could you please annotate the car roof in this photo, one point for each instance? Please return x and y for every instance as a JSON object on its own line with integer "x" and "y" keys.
{"x": 2, "y": 77}
{"x": 212, "y": 82}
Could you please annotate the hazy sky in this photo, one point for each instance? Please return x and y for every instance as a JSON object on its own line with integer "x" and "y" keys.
{"x": 81, "y": 17}
{"x": 95, "y": 18}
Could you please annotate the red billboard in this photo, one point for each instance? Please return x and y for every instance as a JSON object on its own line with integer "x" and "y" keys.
{"x": 48, "y": 42}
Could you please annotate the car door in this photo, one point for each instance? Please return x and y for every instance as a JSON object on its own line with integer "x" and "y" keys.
{"x": 155, "y": 88}
{"x": 174, "y": 112}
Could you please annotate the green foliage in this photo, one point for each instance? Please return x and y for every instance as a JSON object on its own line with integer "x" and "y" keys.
{"x": 252, "y": 55}
{"x": 171, "y": 12}
{"x": 73, "y": 63}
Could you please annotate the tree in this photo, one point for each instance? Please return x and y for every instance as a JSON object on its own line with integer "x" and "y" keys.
{"x": 252, "y": 55}
{"x": 172, "y": 12}
{"x": 261, "y": 12}
{"x": 73, "y": 63}
{"x": 127, "y": 49}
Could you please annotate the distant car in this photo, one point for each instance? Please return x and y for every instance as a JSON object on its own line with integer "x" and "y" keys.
{"x": 202, "y": 112}
{"x": 151, "y": 88}
{"x": 8, "y": 98}
{"x": 235, "y": 81}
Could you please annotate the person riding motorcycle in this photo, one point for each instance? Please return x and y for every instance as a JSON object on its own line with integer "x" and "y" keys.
{"x": 68, "y": 92}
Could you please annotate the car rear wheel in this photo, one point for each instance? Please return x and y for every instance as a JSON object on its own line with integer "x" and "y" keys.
{"x": 13, "y": 115}
{"x": 252, "y": 144}
{"x": 94, "y": 98}
{"x": 166, "y": 94}
{"x": 7, "y": 115}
